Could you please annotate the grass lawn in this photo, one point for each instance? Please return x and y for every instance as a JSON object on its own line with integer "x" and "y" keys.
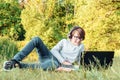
{"x": 113, "y": 73}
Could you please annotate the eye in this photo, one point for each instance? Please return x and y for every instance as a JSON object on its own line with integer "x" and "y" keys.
{"x": 77, "y": 37}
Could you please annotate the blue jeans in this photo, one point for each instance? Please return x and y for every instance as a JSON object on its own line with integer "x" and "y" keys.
{"x": 47, "y": 60}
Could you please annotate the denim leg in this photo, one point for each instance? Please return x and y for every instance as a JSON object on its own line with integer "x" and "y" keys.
{"x": 37, "y": 43}
{"x": 48, "y": 64}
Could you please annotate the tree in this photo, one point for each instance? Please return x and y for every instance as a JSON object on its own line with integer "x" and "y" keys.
{"x": 47, "y": 19}
{"x": 52, "y": 19}
{"x": 10, "y": 21}
{"x": 101, "y": 19}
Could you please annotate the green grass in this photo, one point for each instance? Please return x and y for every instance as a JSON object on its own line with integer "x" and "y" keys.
{"x": 27, "y": 74}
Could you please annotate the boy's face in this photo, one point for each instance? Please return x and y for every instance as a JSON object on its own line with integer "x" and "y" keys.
{"x": 76, "y": 40}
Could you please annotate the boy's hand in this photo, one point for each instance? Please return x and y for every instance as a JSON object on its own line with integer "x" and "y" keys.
{"x": 65, "y": 66}
{"x": 63, "y": 69}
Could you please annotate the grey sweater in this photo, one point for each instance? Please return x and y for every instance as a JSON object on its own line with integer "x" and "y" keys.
{"x": 65, "y": 50}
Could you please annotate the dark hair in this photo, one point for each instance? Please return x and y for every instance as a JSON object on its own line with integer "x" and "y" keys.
{"x": 80, "y": 30}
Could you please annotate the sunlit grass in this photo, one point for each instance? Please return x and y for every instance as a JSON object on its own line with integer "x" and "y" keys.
{"x": 111, "y": 73}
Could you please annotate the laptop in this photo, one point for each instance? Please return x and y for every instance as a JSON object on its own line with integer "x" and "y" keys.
{"x": 97, "y": 59}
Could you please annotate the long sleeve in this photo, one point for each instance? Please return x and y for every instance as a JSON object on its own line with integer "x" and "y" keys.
{"x": 56, "y": 51}
{"x": 65, "y": 50}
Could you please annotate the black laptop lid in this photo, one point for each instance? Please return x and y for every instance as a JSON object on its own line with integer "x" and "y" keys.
{"x": 98, "y": 58}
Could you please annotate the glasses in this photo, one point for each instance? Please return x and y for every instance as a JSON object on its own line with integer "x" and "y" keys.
{"x": 76, "y": 37}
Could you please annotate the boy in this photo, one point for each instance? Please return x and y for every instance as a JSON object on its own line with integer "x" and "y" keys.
{"x": 65, "y": 53}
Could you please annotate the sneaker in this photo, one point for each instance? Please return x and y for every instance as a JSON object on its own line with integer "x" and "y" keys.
{"x": 9, "y": 65}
